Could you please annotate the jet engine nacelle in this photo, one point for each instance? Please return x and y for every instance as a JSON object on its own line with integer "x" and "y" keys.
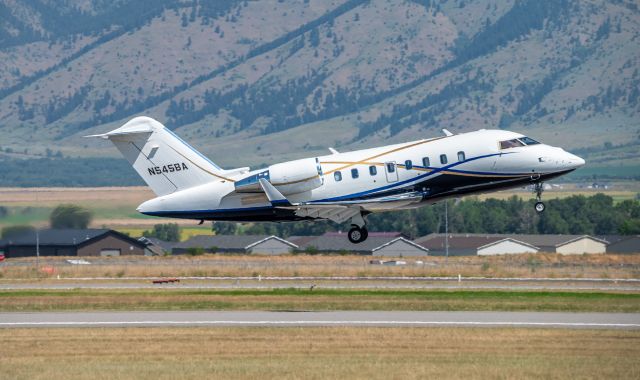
{"x": 296, "y": 176}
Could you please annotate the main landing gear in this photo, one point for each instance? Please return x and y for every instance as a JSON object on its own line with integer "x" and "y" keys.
{"x": 538, "y": 189}
{"x": 358, "y": 232}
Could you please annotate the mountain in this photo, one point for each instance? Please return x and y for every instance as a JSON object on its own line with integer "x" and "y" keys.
{"x": 254, "y": 82}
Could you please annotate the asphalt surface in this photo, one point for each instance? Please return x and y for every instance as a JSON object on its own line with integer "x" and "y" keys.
{"x": 625, "y": 285}
{"x": 329, "y": 318}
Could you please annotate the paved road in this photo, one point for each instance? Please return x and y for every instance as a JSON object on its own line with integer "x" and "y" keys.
{"x": 329, "y": 318}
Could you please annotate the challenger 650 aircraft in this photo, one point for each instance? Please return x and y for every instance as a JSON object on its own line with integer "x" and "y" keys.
{"x": 339, "y": 186}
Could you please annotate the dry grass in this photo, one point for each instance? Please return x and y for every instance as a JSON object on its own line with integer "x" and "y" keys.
{"x": 539, "y": 265}
{"x": 318, "y": 353}
{"x": 52, "y": 196}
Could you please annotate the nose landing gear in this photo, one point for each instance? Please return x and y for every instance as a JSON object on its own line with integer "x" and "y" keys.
{"x": 538, "y": 189}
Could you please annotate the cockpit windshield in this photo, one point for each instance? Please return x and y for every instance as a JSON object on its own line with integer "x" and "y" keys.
{"x": 528, "y": 141}
{"x": 510, "y": 144}
{"x": 522, "y": 141}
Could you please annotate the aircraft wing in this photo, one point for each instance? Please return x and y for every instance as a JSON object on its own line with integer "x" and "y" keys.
{"x": 340, "y": 210}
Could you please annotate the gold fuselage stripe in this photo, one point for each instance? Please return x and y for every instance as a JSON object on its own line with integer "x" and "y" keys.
{"x": 364, "y": 161}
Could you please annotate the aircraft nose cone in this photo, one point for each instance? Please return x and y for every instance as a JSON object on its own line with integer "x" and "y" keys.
{"x": 575, "y": 161}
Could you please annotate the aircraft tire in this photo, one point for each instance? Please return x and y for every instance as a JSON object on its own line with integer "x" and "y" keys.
{"x": 357, "y": 235}
{"x": 540, "y": 207}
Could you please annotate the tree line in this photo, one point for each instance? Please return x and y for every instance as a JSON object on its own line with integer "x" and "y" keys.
{"x": 577, "y": 214}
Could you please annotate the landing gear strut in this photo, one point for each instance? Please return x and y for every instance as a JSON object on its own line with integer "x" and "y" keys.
{"x": 538, "y": 189}
{"x": 358, "y": 232}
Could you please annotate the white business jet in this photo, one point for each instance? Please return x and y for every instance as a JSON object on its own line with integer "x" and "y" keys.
{"x": 340, "y": 186}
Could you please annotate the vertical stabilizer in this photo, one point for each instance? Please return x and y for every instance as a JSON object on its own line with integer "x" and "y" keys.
{"x": 163, "y": 160}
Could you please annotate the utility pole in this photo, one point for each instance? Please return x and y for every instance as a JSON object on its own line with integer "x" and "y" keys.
{"x": 446, "y": 230}
{"x": 37, "y": 248}
{"x": 37, "y": 238}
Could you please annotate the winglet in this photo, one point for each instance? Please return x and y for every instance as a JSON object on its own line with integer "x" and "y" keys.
{"x": 447, "y": 132}
{"x": 333, "y": 151}
{"x": 275, "y": 197}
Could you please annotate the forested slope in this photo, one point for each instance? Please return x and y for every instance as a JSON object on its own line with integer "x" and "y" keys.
{"x": 283, "y": 79}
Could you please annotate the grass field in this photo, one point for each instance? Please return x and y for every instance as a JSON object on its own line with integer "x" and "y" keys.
{"x": 112, "y": 207}
{"x": 319, "y": 299}
{"x": 318, "y": 353}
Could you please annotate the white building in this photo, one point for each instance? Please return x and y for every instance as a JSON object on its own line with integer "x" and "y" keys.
{"x": 400, "y": 247}
{"x": 271, "y": 245}
{"x": 506, "y": 246}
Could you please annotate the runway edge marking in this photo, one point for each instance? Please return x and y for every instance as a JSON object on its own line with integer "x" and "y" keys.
{"x": 321, "y": 322}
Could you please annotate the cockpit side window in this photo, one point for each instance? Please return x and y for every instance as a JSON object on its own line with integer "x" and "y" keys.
{"x": 510, "y": 144}
{"x": 528, "y": 141}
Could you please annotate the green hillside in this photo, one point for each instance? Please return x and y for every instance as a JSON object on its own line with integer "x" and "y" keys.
{"x": 282, "y": 79}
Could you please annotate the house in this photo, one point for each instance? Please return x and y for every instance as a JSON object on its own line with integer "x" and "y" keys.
{"x": 621, "y": 244}
{"x": 393, "y": 244}
{"x": 252, "y": 244}
{"x": 400, "y": 247}
{"x": 73, "y": 242}
{"x": 338, "y": 243}
{"x": 506, "y": 246}
{"x": 271, "y": 245}
{"x": 565, "y": 244}
{"x": 459, "y": 244}
{"x": 495, "y": 244}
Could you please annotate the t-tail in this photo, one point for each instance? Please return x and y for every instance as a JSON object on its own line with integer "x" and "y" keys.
{"x": 163, "y": 160}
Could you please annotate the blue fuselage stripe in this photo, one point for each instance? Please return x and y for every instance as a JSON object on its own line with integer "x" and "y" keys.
{"x": 417, "y": 178}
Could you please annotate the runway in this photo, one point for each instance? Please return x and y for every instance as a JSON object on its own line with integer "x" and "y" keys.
{"x": 410, "y": 283}
{"x": 329, "y": 318}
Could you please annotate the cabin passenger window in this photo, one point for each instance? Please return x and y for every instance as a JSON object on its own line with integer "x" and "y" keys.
{"x": 337, "y": 176}
{"x": 354, "y": 173}
{"x": 443, "y": 159}
{"x": 510, "y": 144}
{"x": 373, "y": 170}
{"x": 461, "y": 156}
{"x": 425, "y": 162}
{"x": 408, "y": 164}
{"x": 391, "y": 167}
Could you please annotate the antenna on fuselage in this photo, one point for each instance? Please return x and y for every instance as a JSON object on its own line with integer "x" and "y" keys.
{"x": 447, "y": 132}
